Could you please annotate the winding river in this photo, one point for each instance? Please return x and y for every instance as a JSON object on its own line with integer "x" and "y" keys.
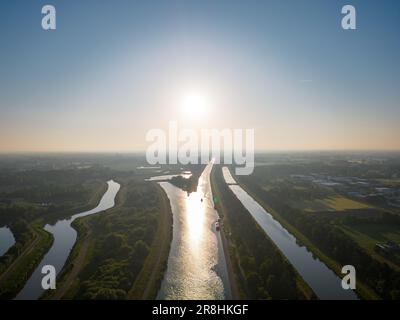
{"x": 324, "y": 282}
{"x": 196, "y": 263}
{"x": 64, "y": 239}
{"x": 7, "y": 240}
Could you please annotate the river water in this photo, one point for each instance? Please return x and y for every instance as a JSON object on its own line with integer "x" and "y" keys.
{"x": 7, "y": 240}
{"x": 324, "y": 282}
{"x": 196, "y": 263}
{"x": 64, "y": 239}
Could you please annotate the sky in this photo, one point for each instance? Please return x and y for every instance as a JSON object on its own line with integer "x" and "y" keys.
{"x": 113, "y": 70}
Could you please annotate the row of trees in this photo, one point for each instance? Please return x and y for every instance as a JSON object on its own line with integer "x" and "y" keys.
{"x": 325, "y": 234}
{"x": 31, "y": 198}
{"x": 266, "y": 274}
{"x": 123, "y": 239}
{"x": 38, "y": 194}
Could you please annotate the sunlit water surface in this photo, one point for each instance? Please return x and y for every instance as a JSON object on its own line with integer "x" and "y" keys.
{"x": 324, "y": 282}
{"x": 196, "y": 264}
{"x": 64, "y": 239}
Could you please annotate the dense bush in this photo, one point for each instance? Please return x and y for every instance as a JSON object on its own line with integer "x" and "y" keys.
{"x": 122, "y": 241}
{"x": 266, "y": 273}
{"x": 331, "y": 240}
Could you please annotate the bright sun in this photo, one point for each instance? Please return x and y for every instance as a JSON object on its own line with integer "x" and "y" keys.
{"x": 195, "y": 104}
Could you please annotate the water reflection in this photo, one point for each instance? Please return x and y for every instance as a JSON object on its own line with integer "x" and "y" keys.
{"x": 195, "y": 212}
{"x": 64, "y": 239}
{"x": 195, "y": 267}
{"x": 6, "y": 240}
{"x": 324, "y": 282}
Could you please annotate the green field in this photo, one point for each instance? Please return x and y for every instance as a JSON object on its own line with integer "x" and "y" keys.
{"x": 336, "y": 203}
{"x": 368, "y": 235}
{"x": 340, "y": 203}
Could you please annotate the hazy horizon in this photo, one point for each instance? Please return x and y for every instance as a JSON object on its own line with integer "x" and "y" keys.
{"x": 143, "y": 152}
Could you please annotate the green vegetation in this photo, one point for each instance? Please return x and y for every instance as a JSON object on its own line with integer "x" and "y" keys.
{"x": 261, "y": 270}
{"x": 323, "y": 233}
{"x": 339, "y": 209}
{"x": 19, "y": 264}
{"x": 368, "y": 232}
{"x": 340, "y": 203}
{"x": 188, "y": 184}
{"x": 121, "y": 253}
{"x": 149, "y": 279}
{"x": 31, "y": 198}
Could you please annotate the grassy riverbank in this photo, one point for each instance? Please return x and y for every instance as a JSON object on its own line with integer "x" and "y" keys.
{"x": 259, "y": 270}
{"x": 235, "y": 275}
{"x": 32, "y": 241}
{"x": 82, "y": 250}
{"x": 17, "y": 272}
{"x": 139, "y": 229}
{"x": 362, "y": 290}
{"x": 149, "y": 279}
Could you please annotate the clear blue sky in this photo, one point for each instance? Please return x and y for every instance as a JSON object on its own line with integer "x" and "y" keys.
{"x": 114, "y": 69}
